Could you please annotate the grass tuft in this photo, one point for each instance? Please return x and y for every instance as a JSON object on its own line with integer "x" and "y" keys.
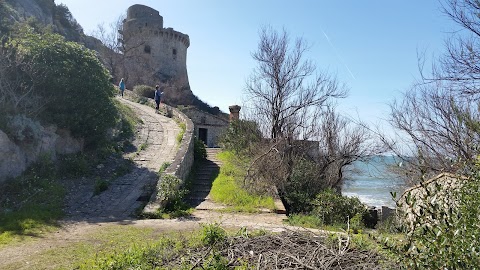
{"x": 226, "y": 190}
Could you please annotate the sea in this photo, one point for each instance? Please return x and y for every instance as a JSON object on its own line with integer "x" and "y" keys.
{"x": 372, "y": 182}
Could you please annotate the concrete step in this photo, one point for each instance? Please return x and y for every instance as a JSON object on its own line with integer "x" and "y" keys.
{"x": 200, "y": 193}
{"x": 205, "y": 171}
{"x": 201, "y": 182}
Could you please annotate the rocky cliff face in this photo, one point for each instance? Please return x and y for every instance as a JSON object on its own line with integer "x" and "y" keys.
{"x": 42, "y": 10}
{"x": 28, "y": 142}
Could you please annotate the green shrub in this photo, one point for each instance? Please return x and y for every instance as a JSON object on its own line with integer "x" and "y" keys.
{"x": 70, "y": 80}
{"x": 301, "y": 188}
{"x": 73, "y": 165}
{"x": 144, "y": 91}
{"x": 171, "y": 191}
{"x": 213, "y": 234}
{"x": 334, "y": 208}
{"x": 444, "y": 235}
{"x": 240, "y": 136}
{"x": 199, "y": 151}
{"x": 100, "y": 186}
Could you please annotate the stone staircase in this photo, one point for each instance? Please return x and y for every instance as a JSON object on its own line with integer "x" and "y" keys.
{"x": 199, "y": 192}
{"x": 199, "y": 196}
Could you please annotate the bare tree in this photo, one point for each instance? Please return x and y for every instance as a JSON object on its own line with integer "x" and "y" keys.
{"x": 17, "y": 85}
{"x": 279, "y": 88}
{"x": 439, "y": 117}
{"x": 111, "y": 50}
{"x": 461, "y": 64}
{"x": 308, "y": 145}
{"x": 341, "y": 142}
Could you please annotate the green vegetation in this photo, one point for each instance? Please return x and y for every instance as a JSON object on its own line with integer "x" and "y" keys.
{"x": 443, "y": 235}
{"x": 214, "y": 248}
{"x": 126, "y": 124}
{"x": 213, "y": 234}
{"x": 158, "y": 252}
{"x": 183, "y": 128}
{"x": 67, "y": 86}
{"x": 171, "y": 191}
{"x": 333, "y": 208}
{"x": 144, "y": 91}
{"x": 241, "y": 136}
{"x": 143, "y": 146}
{"x": 163, "y": 167}
{"x": 100, "y": 186}
{"x": 332, "y": 211}
{"x": 307, "y": 221}
{"x": 74, "y": 86}
{"x": 109, "y": 241}
{"x": 199, "y": 150}
{"x": 226, "y": 190}
{"x": 31, "y": 204}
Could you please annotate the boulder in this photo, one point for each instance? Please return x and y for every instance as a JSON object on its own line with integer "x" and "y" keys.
{"x": 13, "y": 161}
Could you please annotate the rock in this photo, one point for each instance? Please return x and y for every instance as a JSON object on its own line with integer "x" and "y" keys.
{"x": 32, "y": 142}
{"x": 12, "y": 160}
{"x": 30, "y": 8}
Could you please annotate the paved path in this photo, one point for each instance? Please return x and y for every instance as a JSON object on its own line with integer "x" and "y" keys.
{"x": 156, "y": 142}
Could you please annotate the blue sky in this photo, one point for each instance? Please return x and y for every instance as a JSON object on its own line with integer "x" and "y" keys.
{"x": 371, "y": 45}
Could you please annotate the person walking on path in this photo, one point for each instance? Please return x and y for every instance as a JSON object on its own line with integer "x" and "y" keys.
{"x": 121, "y": 85}
{"x": 158, "y": 97}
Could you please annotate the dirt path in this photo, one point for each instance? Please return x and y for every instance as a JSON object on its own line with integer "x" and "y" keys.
{"x": 87, "y": 213}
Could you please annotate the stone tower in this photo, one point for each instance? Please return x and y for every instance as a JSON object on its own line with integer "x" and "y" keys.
{"x": 153, "y": 54}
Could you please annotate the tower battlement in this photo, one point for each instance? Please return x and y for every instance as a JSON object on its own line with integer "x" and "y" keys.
{"x": 155, "y": 54}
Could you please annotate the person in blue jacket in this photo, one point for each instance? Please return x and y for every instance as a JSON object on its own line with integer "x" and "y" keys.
{"x": 121, "y": 85}
{"x": 158, "y": 97}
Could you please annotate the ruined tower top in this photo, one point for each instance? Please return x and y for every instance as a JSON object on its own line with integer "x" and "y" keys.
{"x": 156, "y": 55}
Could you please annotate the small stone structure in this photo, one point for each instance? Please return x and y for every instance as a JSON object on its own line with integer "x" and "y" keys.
{"x": 234, "y": 112}
{"x": 153, "y": 54}
{"x": 208, "y": 127}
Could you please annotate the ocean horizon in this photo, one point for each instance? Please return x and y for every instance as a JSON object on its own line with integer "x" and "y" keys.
{"x": 372, "y": 182}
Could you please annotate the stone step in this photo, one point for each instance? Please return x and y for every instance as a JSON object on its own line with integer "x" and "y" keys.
{"x": 202, "y": 182}
{"x": 196, "y": 197}
{"x": 201, "y": 185}
{"x": 206, "y": 171}
{"x": 200, "y": 192}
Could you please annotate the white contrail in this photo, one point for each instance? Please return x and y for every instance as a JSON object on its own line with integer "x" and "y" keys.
{"x": 337, "y": 54}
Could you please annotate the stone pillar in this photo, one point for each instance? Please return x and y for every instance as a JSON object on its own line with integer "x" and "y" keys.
{"x": 234, "y": 112}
